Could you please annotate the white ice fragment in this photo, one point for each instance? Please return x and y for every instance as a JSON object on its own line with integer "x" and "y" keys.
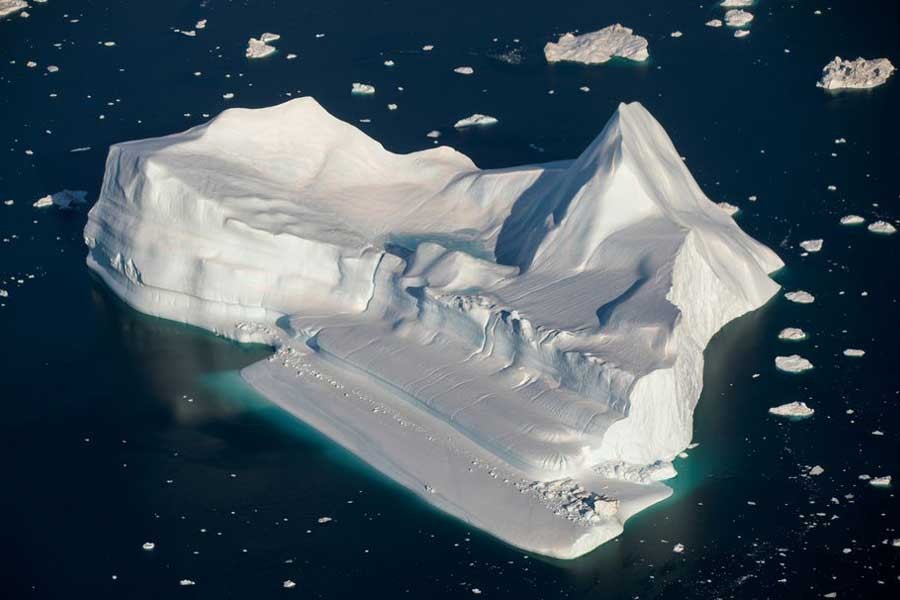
{"x": 854, "y": 352}
{"x": 714, "y": 23}
{"x": 736, "y": 3}
{"x": 598, "y": 46}
{"x": 189, "y": 32}
{"x": 52, "y": 69}
{"x": 62, "y": 199}
{"x": 816, "y": 471}
{"x": 392, "y": 106}
{"x": 4, "y": 293}
{"x": 741, "y": 33}
{"x": 792, "y": 409}
{"x": 433, "y": 134}
{"x": 428, "y": 47}
{"x": 678, "y": 548}
{"x": 476, "y": 119}
{"x": 323, "y": 520}
{"x": 738, "y": 18}
{"x": 676, "y": 34}
{"x": 882, "y": 227}
{"x": 259, "y": 48}
{"x": 800, "y": 297}
{"x": 362, "y": 89}
{"x": 883, "y": 481}
{"x": 109, "y": 44}
{"x": 792, "y": 334}
{"x": 389, "y": 63}
{"x": 228, "y": 95}
{"x": 288, "y": 584}
{"x": 811, "y": 245}
{"x": 8, "y": 7}
{"x": 464, "y": 70}
{"x": 793, "y": 363}
{"x": 855, "y": 74}
{"x": 728, "y": 209}
{"x": 187, "y": 582}
{"x": 148, "y": 546}
{"x": 852, "y": 220}
{"x": 201, "y": 24}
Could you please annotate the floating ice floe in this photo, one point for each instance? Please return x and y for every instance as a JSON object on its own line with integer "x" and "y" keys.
{"x": 464, "y": 70}
{"x": 792, "y": 409}
{"x": 392, "y": 106}
{"x": 362, "y": 89}
{"x": 816, "y": 471}
{"x": 852, "y": 220}
{"x": 738, "y": 18}
{"x": 792, "y": 364}
{"x": 811, "y": 245}
{"x": 882, "y": 227}
{"x": 389, "y": 63}
{"x": 736, "y": 3}
{"x": 148, "y": 546}
{"x": 201, "y": 24}
{"x": 52, "y": 69}
{"x": 676, "y": 34}
{"x": 714, "y": 23}
{"x": 428, "y": 47}
{"x": 800, "y": 297}
{"x": 8, "y": 7}
{"x": 187, "y": 582}
{"x": 854, "y": 352}
{"x": 598, "y": 46}
{"x": 260, "y": 48}
{"x": 323, "y": 520}
{"x": 573, "y": 282}
{"x": 63, "y": 199}
{"x": 792, "y": 334}
{"x": 476, "y": 119}
{"x": 228, "y": 95}
{"x": 188, "y": 32}
{"x": 288, "y": 584}
{"x": 728, "y": 209}
{"x": 855, "y": 74}
{"x": 741, "y": 33}
{"x": 433, "y": 134}
{"x": 882, "y": 481}
{"x": 678, "y": 548}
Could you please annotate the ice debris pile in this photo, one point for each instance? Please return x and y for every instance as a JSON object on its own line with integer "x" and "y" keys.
{"x": 474, "y": 334}
{"x": 598, "y": 47}
{"x": 855, "y": 74}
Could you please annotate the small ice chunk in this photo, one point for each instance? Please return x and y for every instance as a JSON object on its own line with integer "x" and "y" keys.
{"x": 855, "y": 74}
{"x": 228, "y": 95}
{"x": 793, "y": 363}
{"x": 428, "y": 47}
{"x": 738, "y": 18}
{"x": 187, "y": 582}
{"x": 259, "y": 48}
{"x": 811, "y": 245}
{"x": 852, "y": 220}
{"x": 882, "y": 227}
{"x": 792, "y": 409}
{"x": 63, "y": 199}
{"x": 598, "y": 47}
{"x": 363, "y": 89}
{"x": 678, "y": 548}
{"x": 740, "y": 33}
{"x": 109, "y": 44}
{"x": 52, "y": 69}
{"x": 323, "y": 520}
{"x": 729, "y": 209}
{"x": 464, "y": 70}
{"x": 736, "y": 3}
{"x": 433, "y": 134}
{"x": 854, "y": 352}
{"x": 392, "y": 107}
{"x": 476, "y": 119}
{"x": 792, "y": 334}
{"x": 269, "y": 37}
{"x": 291, "y": 56}
{"x": 148, "y": 546}
{"x": 288, "y": 584}
{"x": 816, "y": 470}
{"x": 800, "y": 297}
{"x": 883, "y": 481}
{"x": 201, "y": 24}
{"x": 189, "y": 33}
{"x": 676, "y": 34}
{"x": 389, "y": 63}
{"x": 714, "y": 23}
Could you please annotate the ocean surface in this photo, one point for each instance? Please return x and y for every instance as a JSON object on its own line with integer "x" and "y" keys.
{"x": 118, "y": 429}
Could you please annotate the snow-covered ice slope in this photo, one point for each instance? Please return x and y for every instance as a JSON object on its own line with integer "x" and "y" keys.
{"x": 518, "y": 346}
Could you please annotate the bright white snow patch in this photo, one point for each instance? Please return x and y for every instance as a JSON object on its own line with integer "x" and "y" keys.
{"x": 476, "y": 119}
{"x": 855, "y": 74}
{"x": 793, "y": 363}
{"x": 792, "y": 409}
{"x": 792, "y": 334}
{"x": 401, "y": 292}
{"x": 598, "y": 46}
{"x": 882, "y": 227}
{"x": 811, "y": 245}
{"x": 800, "y": 297}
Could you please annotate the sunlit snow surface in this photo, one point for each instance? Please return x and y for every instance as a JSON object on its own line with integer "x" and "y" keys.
{"x": 492, "y": 339}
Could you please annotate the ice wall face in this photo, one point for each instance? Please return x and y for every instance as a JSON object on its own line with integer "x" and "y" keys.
{"x": 540, "y": 322}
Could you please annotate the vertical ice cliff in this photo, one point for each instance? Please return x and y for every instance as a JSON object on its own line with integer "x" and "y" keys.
{"x": 522, "y": 347}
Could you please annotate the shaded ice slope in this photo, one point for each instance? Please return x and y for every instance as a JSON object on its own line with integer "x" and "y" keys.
{"x": 549, "y": 319}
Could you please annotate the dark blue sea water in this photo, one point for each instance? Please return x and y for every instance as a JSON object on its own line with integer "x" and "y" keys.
{"x": 119, "y": 429}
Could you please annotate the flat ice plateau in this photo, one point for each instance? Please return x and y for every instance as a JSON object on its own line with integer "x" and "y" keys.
{"x": 598, "y": 47}
{"x": 521, "y": 347}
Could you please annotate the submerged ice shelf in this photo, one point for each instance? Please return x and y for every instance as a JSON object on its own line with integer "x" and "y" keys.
{"x": 521, "y": 347}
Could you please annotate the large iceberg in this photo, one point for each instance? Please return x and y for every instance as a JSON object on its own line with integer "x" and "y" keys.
{"x": 855, "y": 74}
{"x": 509, "y": 344}
{"x": 598, "y": 46}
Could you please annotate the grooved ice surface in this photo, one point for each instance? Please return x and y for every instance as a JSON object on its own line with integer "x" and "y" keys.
{"x": 506, "y": 343}
{"x": 598, "y": 46}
